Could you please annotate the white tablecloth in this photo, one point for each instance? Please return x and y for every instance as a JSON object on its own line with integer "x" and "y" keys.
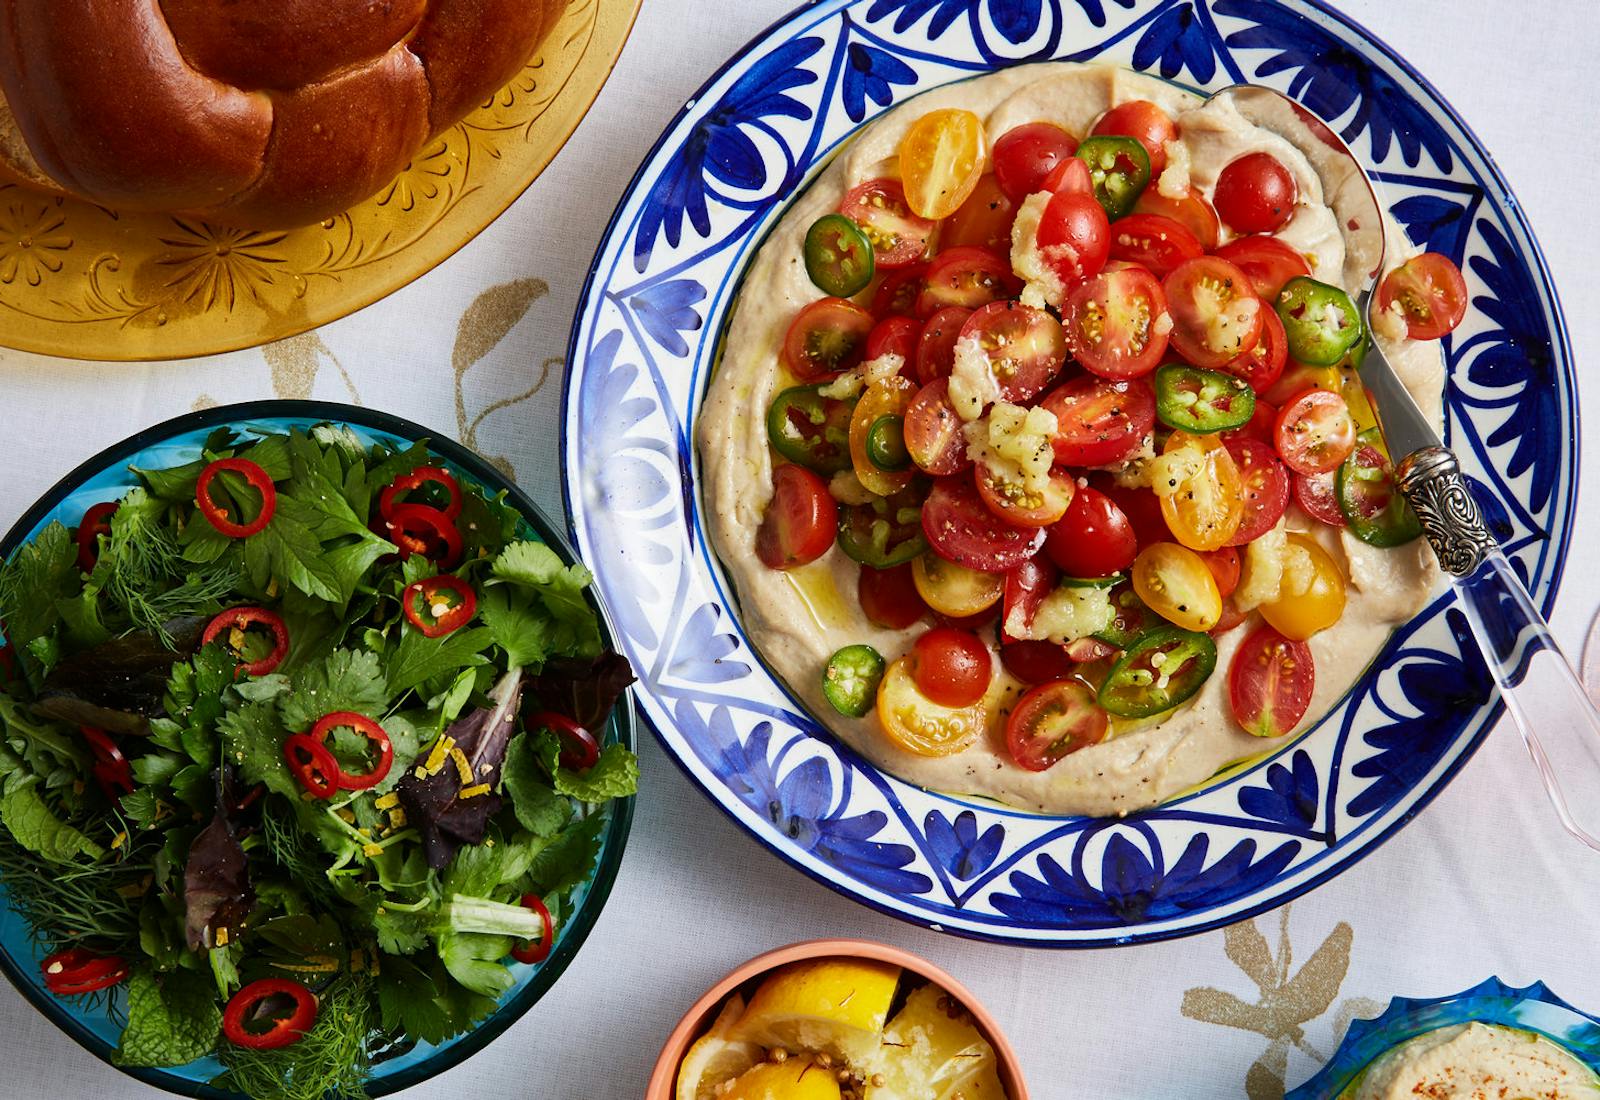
{"x": 1483, "y": 883}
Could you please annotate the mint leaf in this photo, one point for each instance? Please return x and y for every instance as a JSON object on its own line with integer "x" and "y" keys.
{"x": 42, "y": 572}
{"x": 418, "y": 659}
{"x": 346, "y": 679}
{"x": 614, "y": 775}
{"x": 538, "y": 807}
{"x": 518, "y": 626}
{"x": 172, "y": 1020}
{"x": 34, "y": 824}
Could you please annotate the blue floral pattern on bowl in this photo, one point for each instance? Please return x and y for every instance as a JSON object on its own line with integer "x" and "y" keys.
{"x": 645, "y": 338}
{"x": 1532, "y": 1008}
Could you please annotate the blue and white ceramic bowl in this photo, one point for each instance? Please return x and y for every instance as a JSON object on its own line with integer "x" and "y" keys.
{"x": 644, "y": 340}
{"x": 1532, "y": 1008}
{"x": 96, "y": 1024}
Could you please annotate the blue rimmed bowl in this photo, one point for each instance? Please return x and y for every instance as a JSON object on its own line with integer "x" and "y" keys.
{"x": 644, "y": 340}
{"x": 106, "y": 476}
{"x": 1532, "y": 1008}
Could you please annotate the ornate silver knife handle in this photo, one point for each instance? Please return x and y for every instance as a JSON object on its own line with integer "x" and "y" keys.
{"x": 1433, "y": 484}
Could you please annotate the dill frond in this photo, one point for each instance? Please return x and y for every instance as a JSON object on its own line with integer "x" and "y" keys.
{"x": 329, "y": 1063}
{"x": 77, "y": 904}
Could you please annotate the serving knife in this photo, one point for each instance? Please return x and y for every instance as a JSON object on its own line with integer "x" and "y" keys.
{"x": 1543, "y": 695}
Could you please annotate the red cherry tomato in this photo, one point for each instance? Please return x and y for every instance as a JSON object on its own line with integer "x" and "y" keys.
{"x": 1113, "y": 323}
{"x": 1216, "y": 316}
{"x": 1262, "y": 425}
{"x": 1231, "y": 617}
{"x": 1024, "y": 155}
{"x": 1026, "y": 587}
{"x": 1225, "y": 568}
{"x": 1315, "y": 432}
{"x": 889, "y": 597}
{"x": 1256, "y": 194}
{"x": 800, "y": 521}
{"x": 1008, "y": 499}
{"x": 936, "y": 346}
{"x": 1025, "y": 346}
{"x": 933, "y": 434}
{"x": 1263, "y": 364}
{"x": 898, "y": 236}
{"x": 1192, "y": 212}
{"x": 1071, "y": 174}
{"x": 1143, "y": 120}
{"x": 96, "y": 522}
{"x": 895, "y": 336}
{"x": 966, "y": 277}
{"x": 1100, "y": 422}
{"x": 1154, "y": 242}
{"x": 1270, "y": 683}
{"x": 1037, "y": 662}
{"x": 1074, "y": 235}
{"x": 951, "y": 667}
{"x": 1094, "y": 538}
{"x": 983, "y": 221}
{"x": 1432, "y": 293}
{"x": 1266, "y": 488}
{"x": 827, "y": 337}
{"x": 1267, "y": 261}
{"x": 1052, "y": 721}
{"x": 961, "y": 528}
{"x": 896, "y": 295}
{"x": 1141, "y": 506}
{"x": 1319, "y": 498}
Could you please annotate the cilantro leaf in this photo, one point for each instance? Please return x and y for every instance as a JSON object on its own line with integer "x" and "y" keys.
{"x": 518, "y": 626}
{"x": 535, "y": 566}
{"x": 36, "y": 827}
{"x": 614, "y": 775}
{"x": 424, "y": 1003}
{"x": 570, "y": 857}
{"x": 252, "y": 738}
{"x": 538, "y": 807}
{"x": 172, "y": 1019}
{"x": 346, "y": 679}
{"x": 418, "y": 659}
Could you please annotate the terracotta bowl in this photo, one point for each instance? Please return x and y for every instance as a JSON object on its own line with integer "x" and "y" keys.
{"x": 699, "y": 1017}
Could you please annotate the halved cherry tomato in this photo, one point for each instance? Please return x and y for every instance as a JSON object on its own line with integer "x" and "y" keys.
{"x": 1430, "y": 291}
{"x": 1262, "y": 425}
{"x": 1265, "y": 483}
{"x": 951, "y": 667}
{"x": 1024, "y": 155}
{"x": 896, "y": 295}
{"x": 96, "y": 522}
{"x": 1263, "y": 364}
{"x": 966, "y": 277}
{"x": 77, "y": 971}
{"x": 1026, "y": 587}
{"x": 1052, "y": 721}
{"x": 1203, "y": 505}
{"x": 1114, "y": 323}
{"x": 1074, "y": 236}
{"x": 917, "y": 724}
{"x": 366, "y": 727}
{"x": 1011, "y": 500}
{"x": 941, "y": 158}
{"x": 889, "y": 597}
{"x": 1216, "y": 316}
{"x": 439, "y": 605}
{"x": 241, "y": 619}
{"x": 1192, "y": 211}
{"x": 1146, "y": 123}
{"x": 1299, "y": 377}
{"x": 1154, "y": 242}
{"x": 1317, "y": 599}
{"x": 1035, "y": 662}
{"x": 1094, "y": 538}
{"x": 1100, "y": 422}
{"x": 1267, "y": 261}
{"x": 216, "y": 514}
{"x": 984, "y": 220}
{"x": 800, "y": 520}
{"x": 419, "y": 529}
{"x": 1025, "y": 347}
{"x": 312, "y": 764}
{"x": 416, "y": 479}
{"x": 1175, "y": 583}
{"x": 1318, "y": 496}
{"x": 879, "y": 209}
{"x": 936, "y": 346}
{"x": 877, "y": 437}
{"x": 962, "y": 529}
{"x": 1140, "y": 505}
{"x": 1270, "y": 683}
{"x": 1225, "y": 570}
{"x": 242, "y": 1015}
{"x": 1070, "y": 175}
{"x": 536, "y": 952}
{"x": 1256, "y": 194}
{"x": 827, "y": 337}
{"x": 895, "y": 336}
{"x": 1315, "y": 432}
{"x": 954, "y": 590}
{"x": 933, "y": 432}
{"x": 1231, "y": 617}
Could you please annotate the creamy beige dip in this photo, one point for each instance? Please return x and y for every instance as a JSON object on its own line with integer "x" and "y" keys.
{"x": 1476, "y": 1062}
{"x": 799, "y": 619}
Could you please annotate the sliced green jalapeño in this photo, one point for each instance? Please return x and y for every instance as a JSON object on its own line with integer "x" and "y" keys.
{"x": 812, "y": 430}
{"x": 851, "y": 679}
{"x": 1120, "y": 170}
{"x": 1164, "y": 667}
{"x": 1202, "y": 401}
{"x": 838, "y": 256}
{"x": 1320, "y": 321}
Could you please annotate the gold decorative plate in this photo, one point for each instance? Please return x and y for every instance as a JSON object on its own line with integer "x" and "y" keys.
{"x": 83, "y": 282}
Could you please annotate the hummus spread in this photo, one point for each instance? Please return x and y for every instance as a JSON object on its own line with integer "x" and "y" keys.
{"x": 1476, "y": 1062}
{"x": 798, "y": 619}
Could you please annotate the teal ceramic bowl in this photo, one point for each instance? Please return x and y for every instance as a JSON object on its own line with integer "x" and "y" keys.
{"x": 106, "y": 476}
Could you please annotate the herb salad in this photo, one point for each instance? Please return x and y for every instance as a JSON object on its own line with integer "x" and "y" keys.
{"x": 297, "y": 754}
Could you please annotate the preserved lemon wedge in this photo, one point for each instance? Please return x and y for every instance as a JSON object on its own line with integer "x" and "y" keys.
{"x": 795, "y": 1079}
{"x": 714, "y": 1059}
{"x": 831, "y": 1006}
{"x": 931, "y": 1051}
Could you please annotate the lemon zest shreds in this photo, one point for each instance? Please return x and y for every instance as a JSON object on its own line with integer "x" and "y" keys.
{"x": 463, "y": 766}
{"x": 475, "y": 791}
{"x": 388, "y": 801}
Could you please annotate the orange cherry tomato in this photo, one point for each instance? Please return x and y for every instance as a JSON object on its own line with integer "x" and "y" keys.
{"x": 917, "y": 724}
{"x": 941, "y": 158}
{"x": 984, "y": 220}
{"x": 1204, "y": 506}
{"x": 1312, "y": 596}
{"x": 1176, "y": 584}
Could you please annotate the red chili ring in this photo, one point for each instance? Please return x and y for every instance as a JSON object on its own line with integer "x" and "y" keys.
{"x": 283, "y": 1031}
{"x": 244, "y": 617}
{"x": 77, "y": 970}
{"x": 425, "y": 590}
{"x": 257, "y": 479}
{"x": 111, "y": 769}
{"x": 368, "y": 729}
{"x": 415, "y": 480}
{"x": 96, "y": 522}
{"x": 537, "y": 952}
{"x": 580, "y": 749}
{"x": 312, "y": 764}
{"x": 415, "y": 528}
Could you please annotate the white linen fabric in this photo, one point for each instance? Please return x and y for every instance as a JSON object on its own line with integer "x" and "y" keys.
{"x": 1483, "y": 883}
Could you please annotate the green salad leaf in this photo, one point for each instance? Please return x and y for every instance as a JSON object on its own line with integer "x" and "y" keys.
{"x": 173, "y": 1019}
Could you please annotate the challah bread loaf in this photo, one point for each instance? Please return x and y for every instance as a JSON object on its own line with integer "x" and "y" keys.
{"x": 265, "y": 113}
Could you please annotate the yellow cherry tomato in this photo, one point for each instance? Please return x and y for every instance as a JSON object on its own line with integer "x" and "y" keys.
{"x": 1311, "y": 597}
{"x": 919, "y": 725}
{"x": 941, "y": 160}
{"x": 955, "y": 590}
{"x": 878, "y": 436}
{"x": 1204, "y": 504}
{"x": 1177, "y": 584}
